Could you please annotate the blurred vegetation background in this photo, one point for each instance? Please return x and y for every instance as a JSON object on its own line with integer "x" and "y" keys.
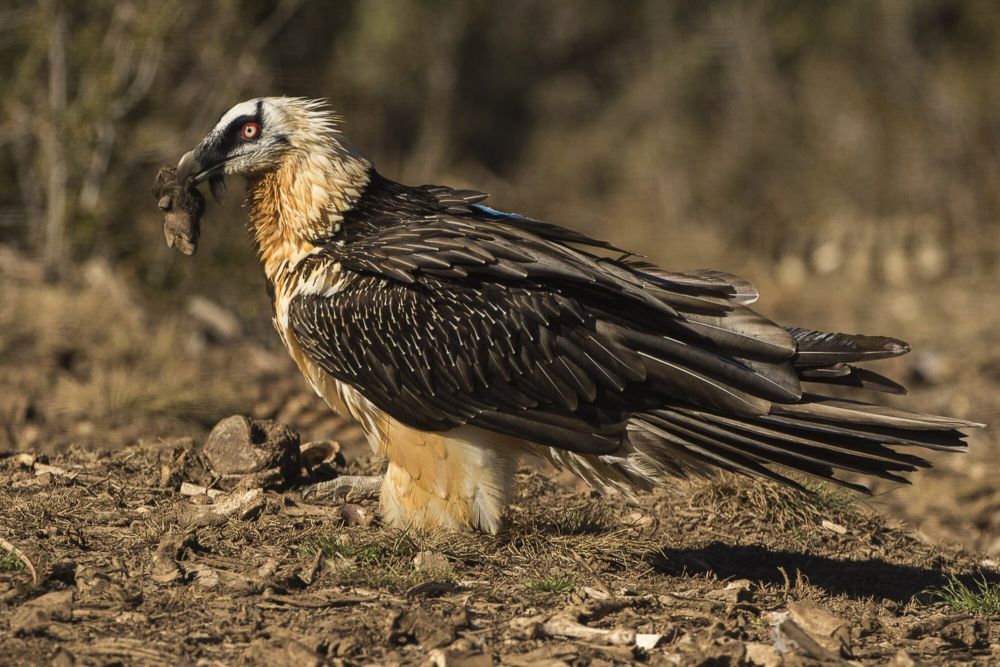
{"x": 858, "y": 138}
{"x": 842, "y": 155}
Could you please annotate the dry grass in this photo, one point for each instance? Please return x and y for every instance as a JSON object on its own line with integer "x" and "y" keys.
{"x": 295, "y": 568}
{"x": 780, "y": 506}
{"x": 88, "y": 359}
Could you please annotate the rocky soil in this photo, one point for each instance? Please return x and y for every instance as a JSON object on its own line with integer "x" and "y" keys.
{"x": 152, "y": 555}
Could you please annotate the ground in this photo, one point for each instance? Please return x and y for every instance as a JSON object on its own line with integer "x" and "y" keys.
{"x": 129, "y": 570}
{"x": 111, "y": 555}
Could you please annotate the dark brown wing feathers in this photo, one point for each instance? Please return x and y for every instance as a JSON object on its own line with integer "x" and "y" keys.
{"x": 451, "y": 313}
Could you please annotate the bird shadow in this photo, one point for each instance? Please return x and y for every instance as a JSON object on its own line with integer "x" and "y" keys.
{"x": 856, "y": 578}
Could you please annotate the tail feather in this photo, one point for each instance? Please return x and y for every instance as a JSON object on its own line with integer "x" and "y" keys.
{"x": 848, "y": 375}
{"x": 821, "y": 408}
{"x": 821, "y": 460}
{"x": 819, "y": 437}
{"x": 817, "y": 348}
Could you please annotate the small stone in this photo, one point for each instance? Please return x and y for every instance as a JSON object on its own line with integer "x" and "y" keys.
{"x": 763, "y": 655}
{"x": 902, "y": 659}
{"x": 733, "y": 592}
{"x": 811, "y": 631}
{"x": 431, "y": 561}
{"x": 164, "y": 560}
{"x": 526, "y": 627}
{"x": 194, "y": 490}
{"x": 62, "y": 658}
{"x": 217, "y": 322}
{"x": 25, "y": 460}
{"x": 206, "y": 577}
{"x": 355, "y": 515}
{"x": 37, "y": 615}
{"x": 637, "y": 520}
{"x": 724, "y": 653}
{"x": 967, "y": 634}
{"x": 648, "y": 641}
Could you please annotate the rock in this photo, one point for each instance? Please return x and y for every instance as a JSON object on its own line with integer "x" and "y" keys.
{"x": 240, "y": 446}
{"x": 431, "y": 561}
{"x": 37, "y": 615}
{"x": 968, "y": 634}
{"x": 355, "y": 515}
{"x": 25, "y": 459}
{"x": 526, "y": 627}
{"x": 902, "y": 659}
{"x": 454, "y": 657}
{"x": 193, "y": 490}
{"x": 722, "y": 653}
{"x": 62, "y": 658}
{"x": 763, "y": 655}
{"x": 648, "y": 641}
{"x": 417, "y": 626}
{"x": 829, "y": 631}
{"x": 282, "y": 651}
{"x": 205, "y": 576}
{"x": 63, "y": 570}
{"x": 217, "y": 322}
{"x": 733, "y": 592}
{"x": 165, "y": 569}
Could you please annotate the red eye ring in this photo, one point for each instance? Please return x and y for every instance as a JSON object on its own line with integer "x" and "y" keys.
{"x": 250, "y": 130}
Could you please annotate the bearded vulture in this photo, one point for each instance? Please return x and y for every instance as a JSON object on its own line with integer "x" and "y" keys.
{"x": 462, "y": 338}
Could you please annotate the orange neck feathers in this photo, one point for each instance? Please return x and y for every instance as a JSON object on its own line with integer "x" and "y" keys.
{"x": 302, "y": 202}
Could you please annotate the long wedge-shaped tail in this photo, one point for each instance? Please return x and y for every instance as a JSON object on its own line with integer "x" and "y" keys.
{"x": 817, "y": 435}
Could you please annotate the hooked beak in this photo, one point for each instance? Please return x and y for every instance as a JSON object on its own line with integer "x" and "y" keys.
{"x": 191, "y": 168}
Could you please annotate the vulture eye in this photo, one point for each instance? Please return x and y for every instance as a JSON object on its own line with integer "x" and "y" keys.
{"x": 250, "y": 130}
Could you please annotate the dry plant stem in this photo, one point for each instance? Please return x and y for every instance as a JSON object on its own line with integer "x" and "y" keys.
{"x": 23, "y": 558}
{"x": 346, "y": 487}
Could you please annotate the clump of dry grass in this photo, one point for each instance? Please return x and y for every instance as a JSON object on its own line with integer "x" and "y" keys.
{"x": 535, "y": 535}
{"x": 771, "y": 503}
{"x": 377, "y": 559}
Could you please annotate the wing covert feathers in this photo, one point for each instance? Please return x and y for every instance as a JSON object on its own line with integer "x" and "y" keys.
{"x": 446, "y": 312}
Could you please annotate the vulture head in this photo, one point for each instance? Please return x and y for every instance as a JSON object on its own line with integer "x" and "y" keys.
{"x": 257, "y": 136}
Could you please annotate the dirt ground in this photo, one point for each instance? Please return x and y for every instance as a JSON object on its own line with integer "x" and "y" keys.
{"x": 125, "y": 569}
{"x": 107, "y": 558}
